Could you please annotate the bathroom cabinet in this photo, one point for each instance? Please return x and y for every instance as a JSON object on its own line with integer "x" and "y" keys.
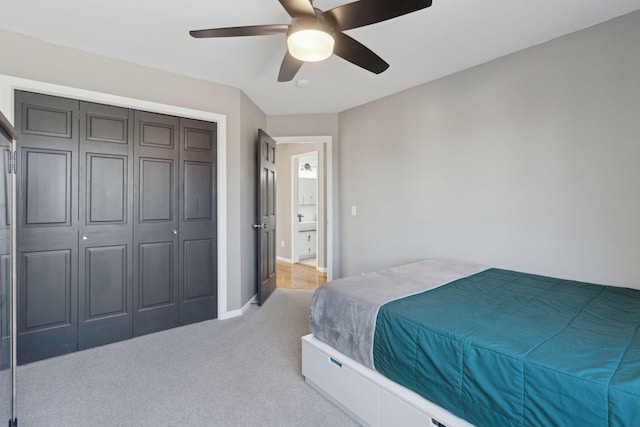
{"x": 307, "y": 244}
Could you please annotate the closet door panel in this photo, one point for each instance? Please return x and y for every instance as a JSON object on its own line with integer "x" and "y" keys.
{"x": 156, "y": 130}
{"x": 156, "y": 293}
{"x": 48, "y": 187}
{"x": 46, "y": 305}
{"x": 106, "y": 281}
{"x": 105, "y": 305}
{"x": 107, "y": 181}
{"x": 46, "y": 289}
{"x": 48, "y": 225}
{"x": 106, "y": 124}
{"x": 40, "y": 117}
{"x": 199, "y": 136}
{"x": 198, "y": 256}
{"x": 198, "y": 191}
{"x": 155, "y": 271}
{"x": 156, "y": 225}
{"x": 156, "y": 198}
{"x": 198, "y": 272}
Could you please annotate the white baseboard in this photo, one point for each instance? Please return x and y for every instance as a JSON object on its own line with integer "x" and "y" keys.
{"x": 321, "y": 269}
{"x": 240, "y": 311}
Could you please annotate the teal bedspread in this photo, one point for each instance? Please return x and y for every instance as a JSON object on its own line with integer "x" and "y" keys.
{"x": 502, "y": 348}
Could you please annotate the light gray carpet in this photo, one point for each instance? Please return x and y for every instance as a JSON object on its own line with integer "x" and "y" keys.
{"x": 239, "y": 372}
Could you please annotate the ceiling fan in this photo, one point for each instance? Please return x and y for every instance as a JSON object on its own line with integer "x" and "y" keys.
{"x": 314, "y": 35}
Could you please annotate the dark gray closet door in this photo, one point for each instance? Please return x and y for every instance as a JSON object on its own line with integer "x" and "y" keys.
{"x": 48, "y": 225}
{"x": 5, "y": 267}
{"x": 155, "y": 282}
{"x": 106, "y": 225}
{"x": 198, "y": 252}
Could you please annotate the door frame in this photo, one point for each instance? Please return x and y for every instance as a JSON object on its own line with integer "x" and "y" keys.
{"x": 9, "y": 84}
{"x": 330, "y": 218}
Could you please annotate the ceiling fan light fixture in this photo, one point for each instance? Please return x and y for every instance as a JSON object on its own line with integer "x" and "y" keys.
{"x": 313, "y": 34}
{"x": 310, "y": 45}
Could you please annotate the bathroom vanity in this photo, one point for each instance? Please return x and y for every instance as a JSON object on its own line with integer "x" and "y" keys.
{"x": 307, "y": 239}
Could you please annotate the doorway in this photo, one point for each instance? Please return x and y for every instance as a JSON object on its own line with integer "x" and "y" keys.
{"x": 304, "y": 205}
{"x": 304, "y": 210}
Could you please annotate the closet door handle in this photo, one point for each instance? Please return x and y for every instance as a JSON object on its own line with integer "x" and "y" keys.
{"x": 174, "y": 231}
{"x": 85, "y": 237}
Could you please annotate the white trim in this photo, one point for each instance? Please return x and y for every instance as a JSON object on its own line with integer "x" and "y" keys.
{"x": 240, "y": 311}
{"x": 9, "y": 84}
{"x": 331, "y": 217}
{"x": 321, "y": 269}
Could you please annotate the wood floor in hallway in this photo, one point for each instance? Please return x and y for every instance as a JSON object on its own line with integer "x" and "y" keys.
{"x": 298, "y": 276}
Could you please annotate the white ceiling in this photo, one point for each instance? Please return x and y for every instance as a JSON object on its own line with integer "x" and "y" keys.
{"x": 450, "y": 36}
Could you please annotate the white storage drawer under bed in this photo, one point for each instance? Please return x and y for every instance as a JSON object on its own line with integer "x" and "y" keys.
{"x": 368, "y": 396}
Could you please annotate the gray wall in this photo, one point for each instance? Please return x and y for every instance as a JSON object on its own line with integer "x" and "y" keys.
{"x": 33, "y": 59}
{"x": 315, "y": 125}
{"x": 283, "y": 198}
{"x": 529, "y": 162}
{"x": 252, "y": 119}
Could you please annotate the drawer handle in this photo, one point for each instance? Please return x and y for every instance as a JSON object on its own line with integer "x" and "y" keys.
{"x": 335, "y": 362}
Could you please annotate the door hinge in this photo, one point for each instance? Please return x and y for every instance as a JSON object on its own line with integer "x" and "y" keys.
{"x": 13, "y": 162}
{"x": 13, "y": 422}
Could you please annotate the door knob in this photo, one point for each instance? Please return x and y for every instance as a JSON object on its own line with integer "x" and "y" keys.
{"x": 174, "y": 231}
{"x": 85, "y": 237}
{"x": 261, "y": 226}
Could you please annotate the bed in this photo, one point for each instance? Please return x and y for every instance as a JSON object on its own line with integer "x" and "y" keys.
{"x": 448, "y": 343}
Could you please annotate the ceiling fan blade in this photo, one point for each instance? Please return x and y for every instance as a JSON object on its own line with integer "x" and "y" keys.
{"x": 297, "y": 8}
{"x": 254, "y": 30}
{"x": 355, "y": 52}
{"x": 289, "y": 68}
{"x": 365, "y": 12}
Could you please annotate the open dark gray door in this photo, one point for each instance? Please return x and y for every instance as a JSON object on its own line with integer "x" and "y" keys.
{"x": 266, "y": 226}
